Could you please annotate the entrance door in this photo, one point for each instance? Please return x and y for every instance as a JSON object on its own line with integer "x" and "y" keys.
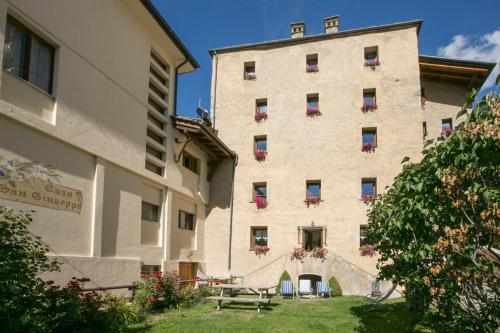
{"x": 312, "y": 238}
{"x": 187, "y": 271}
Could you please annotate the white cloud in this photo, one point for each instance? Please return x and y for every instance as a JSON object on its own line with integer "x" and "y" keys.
{"x": 480, "y": 48}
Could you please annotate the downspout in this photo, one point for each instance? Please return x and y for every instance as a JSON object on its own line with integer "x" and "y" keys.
{"x": 235, "y": 163}
{"x": 175, "y": 87}
{"x": 215, "y": 88}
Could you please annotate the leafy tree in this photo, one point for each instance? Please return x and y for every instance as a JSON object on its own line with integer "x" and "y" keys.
{"x": 437, "y": 226}
{"x": 335, "y": 286}
{"x": 22, "y": 259}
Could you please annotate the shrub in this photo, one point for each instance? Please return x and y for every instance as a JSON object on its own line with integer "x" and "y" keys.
{"x": 157, "y": 292}
{"x": 22, "y": 259}
{"x": 285, "y": 276}
{"x": 190, "y": 296}
{"x": 335, "y": 286}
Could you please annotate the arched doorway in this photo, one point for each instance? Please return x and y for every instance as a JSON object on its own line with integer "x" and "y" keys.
{"x": 313, "y": 278}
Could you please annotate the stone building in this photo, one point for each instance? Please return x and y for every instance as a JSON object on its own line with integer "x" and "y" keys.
{"x": 89, "y": 88}
{"x": 321, "y": 124}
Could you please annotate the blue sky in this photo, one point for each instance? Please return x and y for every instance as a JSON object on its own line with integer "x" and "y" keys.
{"x": 459, "y": 28}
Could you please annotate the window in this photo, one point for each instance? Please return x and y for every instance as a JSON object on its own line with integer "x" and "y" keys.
{"x": 28, "y": 56}
{"x": 313, "y": 189}
{"x": 153, "y": 168}
{"x": 312, "y": 105}
{"x": 154, "y": 152}
{"x": 311, "y": 237}
{"x": 249, "y": 71}
{"x": 371, "y": 56}
{"x": 150, "y": 212}
{"x": 312, "y": 63}
{"x": 369, "y": 97}
{"x": 187, "y": 221}
{"x": 424, "y": 130}
{"x": 160, "y": 63}
{"x": 190, "y": 162}
{"x": 150, "y": 269}
{"x": 363, "y": 240}
{"x": 369, "y": 136}
{"x": 258, "y": 237}
{"x": 156, "y": 106}
{"x": 260, "y": 190}
{"x": 260, "y": 143}
{"x": 446, "y": 126}
{"x": 261, "y": 105}
{"x": 368, "y": 187}
{"x": 154, "y": 136}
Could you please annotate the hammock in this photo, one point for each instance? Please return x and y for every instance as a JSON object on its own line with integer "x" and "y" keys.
{"x": 376, "y": 300}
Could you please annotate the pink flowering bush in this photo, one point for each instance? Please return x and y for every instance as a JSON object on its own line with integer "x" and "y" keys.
{"x": 261, "y": 250}
{"x": 368, "y": 147}
{"x": 447, "y": 131}
{"x": 260, "y": 115}
{"x": 311, "y": 112}
{"x": 367, "y": 198}
{"x": 260, "y": 155}
{"x": 298, "y": 253}
{"x": 319, "y": 253}
{"x": 372, "y": 63}
{"x": 157, "y": 291}
{"x": 312, "y": 68}
{"x": 313, "y": 200}
{"x": 369, "y": 107}
{"x": 260, "y": 202}
{"x": 367, "y": 250}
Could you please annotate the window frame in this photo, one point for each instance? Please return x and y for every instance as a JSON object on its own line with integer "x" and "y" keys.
{"x": 254, "y": 190}
{"x": 247, "y": 73}
{"x": 312, "y": 98}
{"x": 183, "y": 225}
{"x": 369, "y": 180}
{"x": 363, "y": 240}
{"x": 30, "y": 35}
{"x": 192, "y": 159}
{"x": 313, "y": 183}
{"x": 447, "y": 121}
{"x": 155, "y": 214}
{"x": 369, "y": 130}
{"x": 370, "y": 92}
{"x": 259, "y": 138}
{"x": 253, "y": 242}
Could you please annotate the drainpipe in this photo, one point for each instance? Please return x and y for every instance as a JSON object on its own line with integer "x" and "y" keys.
{"x": 215, "y": 88}
{"x": 235, "y": 163}
{"x": 175, "y": 88}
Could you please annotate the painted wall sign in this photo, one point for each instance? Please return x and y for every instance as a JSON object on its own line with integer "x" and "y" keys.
{"x": 36, "y": 184}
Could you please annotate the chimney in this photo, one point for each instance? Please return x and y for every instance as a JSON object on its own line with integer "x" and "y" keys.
{"x": 331, "y": 24}
{"x": 298, "y": 29}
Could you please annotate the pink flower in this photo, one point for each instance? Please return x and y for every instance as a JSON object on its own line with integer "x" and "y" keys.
{"x": 312, "y": 69}
{"x": 367, "y": 198}
{"x": 368, "y": 147}
{"x": 319, "y": 253}
{"x": 372, "y": 63}
{"x": 367, "y": 250}
{"x": 261, "y": 250}
{"x": 447, "y": 131}
{"x": 312, "y": 112}
{"x": 260, "y": 155}
{"x": 260, "y": 202}
{"x": 150, "y": 300}
{"x": 313, "y": 200}
{"x": 368, "y": 107}
{"x": 260, "y": 115}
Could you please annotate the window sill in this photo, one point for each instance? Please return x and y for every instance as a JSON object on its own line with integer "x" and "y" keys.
{"x": 31, "y": 85}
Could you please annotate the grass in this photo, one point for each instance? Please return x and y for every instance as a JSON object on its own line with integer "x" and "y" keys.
{"x": 339, "y": 315}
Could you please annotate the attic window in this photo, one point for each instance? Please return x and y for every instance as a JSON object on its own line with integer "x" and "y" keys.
{"x": 372, "y": 57}
{"x": 249, "y": 71}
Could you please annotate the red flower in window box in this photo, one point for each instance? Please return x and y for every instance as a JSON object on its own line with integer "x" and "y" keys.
{"x": 447, "y": 131}
{"x": 313, "y": 200}
{"x": 368, "y": 147}
{"x": 260, "y": 155}
{"x": 298, "y": 253}
{"x": 311, "y": 112}
{"x": 367, "y": 198}
{"x": 260, "y": 202}
{"x": 369, "y": 107}
{"x": 250, "y": 76}
{"x": 372, "y": 63}
{"x": 260, "y": 115}
{"x": 319, "y": 253}
{"x": 367, "y": 250}
{"x": 312, "y": 68}
{"x": 261, "y": 250}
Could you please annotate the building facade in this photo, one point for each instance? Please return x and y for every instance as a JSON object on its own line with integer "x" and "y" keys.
{"x": 320, "y": 125}
{"x": 90, "y": 140}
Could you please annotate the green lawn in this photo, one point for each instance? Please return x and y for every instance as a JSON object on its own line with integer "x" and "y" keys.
{"x": 337, "y": 315}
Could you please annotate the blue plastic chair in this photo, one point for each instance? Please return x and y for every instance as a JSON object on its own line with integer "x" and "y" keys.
{"x": 323, "y": 288}
{"x": 287, "y": 289}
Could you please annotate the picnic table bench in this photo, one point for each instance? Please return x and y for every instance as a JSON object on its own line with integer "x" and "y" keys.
{"x": 234, "y": 289}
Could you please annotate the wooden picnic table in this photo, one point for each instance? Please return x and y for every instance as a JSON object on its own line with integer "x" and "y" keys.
{"x": 234, "y": 289}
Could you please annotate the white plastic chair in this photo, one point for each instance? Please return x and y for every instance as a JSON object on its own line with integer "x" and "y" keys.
{"x": 305, "y": 288}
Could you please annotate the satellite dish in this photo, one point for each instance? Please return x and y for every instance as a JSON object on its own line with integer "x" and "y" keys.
{"x": 202, "y": 113}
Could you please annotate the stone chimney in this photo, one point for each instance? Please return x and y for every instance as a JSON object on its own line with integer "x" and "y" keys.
{"x": 298, "y": 29}
{"x": 331, "y": 24}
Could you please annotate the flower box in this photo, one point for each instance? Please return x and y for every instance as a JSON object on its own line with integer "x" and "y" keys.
{"x": 250, "y": 76}
{"x": 369, "y": 107}
{"x": 367, "y": 250}
{"x": 260, "y": 115}
{"x": 261, "y": 250}
{"x": 367, "y": 198}
{"x": 260, "y": 155}
{"x": 311, "y": 112}
{"x": 446, "y": 132}
{"x": 313, "y": 200}
{"x": 372, "y": 63}
{"x": 312, "y": 69}
{"x": 319, "y": 253}
{"x": 368, "y": 147}
{"x": 260, "y": 202}
{"x": 298, "y": 253}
